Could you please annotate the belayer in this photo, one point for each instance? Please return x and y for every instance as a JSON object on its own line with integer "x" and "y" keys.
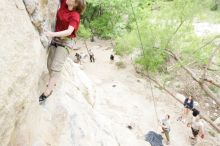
{"x": 196, "y": 125}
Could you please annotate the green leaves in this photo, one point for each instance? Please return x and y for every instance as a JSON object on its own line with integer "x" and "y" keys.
{"x": 167, "y": 25}
{"x": 104, "y": 17}
{"x": 84, "y": 32}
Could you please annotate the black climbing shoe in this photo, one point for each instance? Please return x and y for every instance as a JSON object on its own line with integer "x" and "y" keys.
{"x": 43, "y": 97}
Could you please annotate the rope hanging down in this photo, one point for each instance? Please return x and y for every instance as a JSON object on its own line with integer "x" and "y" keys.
{"x": 142, "y": 47}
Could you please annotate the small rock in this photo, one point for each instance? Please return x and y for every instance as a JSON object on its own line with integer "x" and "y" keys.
{"x": 130, "y": 127}
{"x": 168, "y": 82}
{"x": 113, "y": 85}
{"x": 207, "y": 104}
{"x": 214, "y": 102}
{"x": 196, "y": 104}
{"x": 84, "y": 56}
{"x": 217, "y": 121}
{"x": 208, "y": 113}
{"x": 215, "y": 114}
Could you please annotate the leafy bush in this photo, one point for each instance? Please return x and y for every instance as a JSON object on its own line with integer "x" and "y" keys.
{"x": 126, "y": 44}
{"x": 84, "y": 32}
{"x": 102, "y": 26}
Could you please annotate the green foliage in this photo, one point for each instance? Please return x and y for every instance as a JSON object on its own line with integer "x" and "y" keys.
{"x": 214, "y": 5}
{"x": 84, "y": 32}
{"x": 170, "y": 27}
{"x": 210, "y": 11}
{"x": 163, "y": 24}
{"x": 102, "y": 26}
{"x": 126, "y": 44}
{"x": 153, "y": 60}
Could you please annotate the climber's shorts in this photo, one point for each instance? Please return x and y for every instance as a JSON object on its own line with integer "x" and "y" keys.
{"x": 57, "y": 57}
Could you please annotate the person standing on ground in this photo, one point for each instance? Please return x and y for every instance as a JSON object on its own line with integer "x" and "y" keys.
{"x": 165, "y": 126}
{"x": 91, "y": 56}
{"x": 196, "y": 125}
{"x": 67, "y": 24}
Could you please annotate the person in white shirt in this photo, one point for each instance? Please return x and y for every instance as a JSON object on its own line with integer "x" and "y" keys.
{"x": 165, "y": 125}
{"x": 196, "y": 125}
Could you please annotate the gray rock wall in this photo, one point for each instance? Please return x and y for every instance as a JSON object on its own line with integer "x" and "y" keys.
{"x": 22, "y": 63}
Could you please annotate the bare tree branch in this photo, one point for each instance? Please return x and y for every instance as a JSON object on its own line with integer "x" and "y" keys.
{"x": 215, "y": 70}
{"x": 209, "y": 63}
{"x": 174, "y": 33}
{"x": 206, "y": 44}
{"x": 174, "y": 66}
{"x": 204, "y": 87}
{"x": 212, "y": 82}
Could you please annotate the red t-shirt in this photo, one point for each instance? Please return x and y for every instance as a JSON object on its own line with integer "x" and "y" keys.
{"x": 66, "y": 18}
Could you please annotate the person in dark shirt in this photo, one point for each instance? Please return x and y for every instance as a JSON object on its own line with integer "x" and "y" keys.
{"x": 188, "y": 106}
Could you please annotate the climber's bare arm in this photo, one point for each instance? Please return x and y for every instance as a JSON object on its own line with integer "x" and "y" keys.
{"x": 63, "y": 33}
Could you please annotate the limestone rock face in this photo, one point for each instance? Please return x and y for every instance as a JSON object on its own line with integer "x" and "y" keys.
{"x": 42, "y": 14}
{"x": 30, "y": 6}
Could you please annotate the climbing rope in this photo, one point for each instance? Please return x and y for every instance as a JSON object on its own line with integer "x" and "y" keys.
{"x": 138, "y": 30}
{"x": 84, "y": 41}
{"x": 142, "y": 47}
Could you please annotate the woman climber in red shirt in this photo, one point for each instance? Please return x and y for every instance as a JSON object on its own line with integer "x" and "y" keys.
{"x": 67, "y": 24}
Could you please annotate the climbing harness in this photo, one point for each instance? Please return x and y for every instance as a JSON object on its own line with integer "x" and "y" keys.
{"x": 56, "y": 44}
